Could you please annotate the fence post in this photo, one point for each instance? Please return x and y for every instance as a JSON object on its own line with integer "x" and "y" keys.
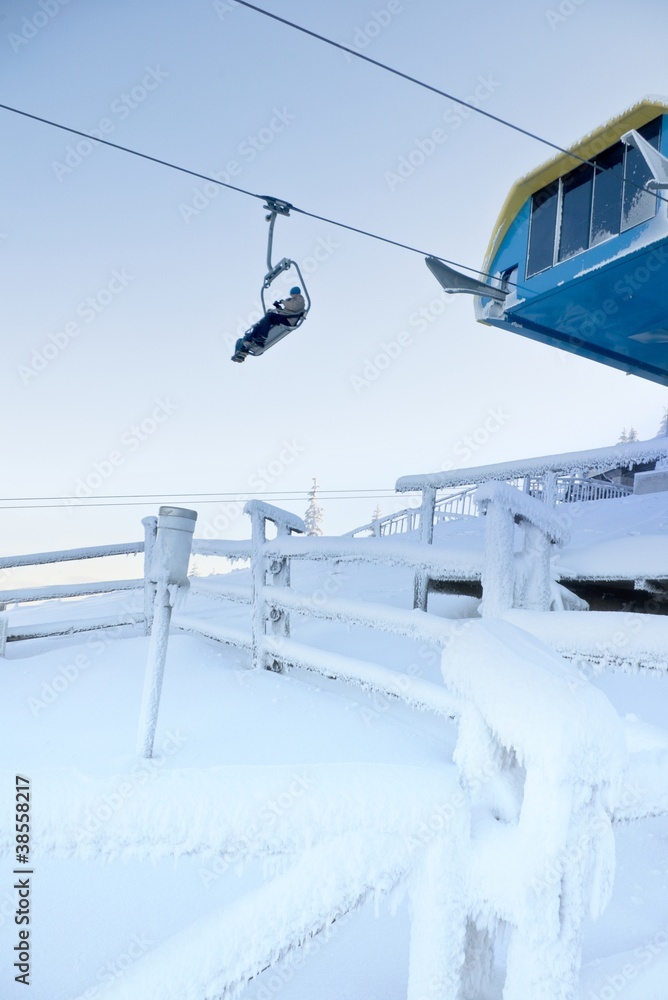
{"x": 258, "y": 574}
{"x": 279, "y": 569}
{"x": 169, "y": 572}
{"x": 421, "y": 583}
{"x": 438, "y": 918}
{"x": 536, "y": 591}
{"x": 150, "y": 531}
{"x": 498, "y": 573}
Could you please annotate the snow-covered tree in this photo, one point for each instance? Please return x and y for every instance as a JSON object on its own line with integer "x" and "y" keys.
{"x": 314, "y": 514}
{"x": 663, "y": 426}
{"x": 623, "y": 437}
{"x": 633, "y": 434}
{"x": 377, "y": 514}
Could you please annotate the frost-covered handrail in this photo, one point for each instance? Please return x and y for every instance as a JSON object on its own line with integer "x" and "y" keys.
{"x": 524, "y": 507}
{"x": 25, "y": 595}
{"x": 281, "y": 518}
{"x": 352, "y": 830}
{"x": 231, "y": 550}
{"x": 443, "y": 564}
{"x": 58, "y": 591}
{"x": 70, "y": 555}
{"x": 545, "y": 750}
{"x": 597, "y": 459}
{"x": 455, "y": 505}
{"x": 509, "y": 581}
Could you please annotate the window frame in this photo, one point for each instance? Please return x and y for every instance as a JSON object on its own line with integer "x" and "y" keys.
{"x": 560, "y": 205}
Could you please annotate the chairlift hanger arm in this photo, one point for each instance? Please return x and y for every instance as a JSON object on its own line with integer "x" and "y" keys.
{"x": 275, "y": 207}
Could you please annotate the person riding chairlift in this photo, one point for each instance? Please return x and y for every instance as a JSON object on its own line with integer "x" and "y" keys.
{"x": 286, "y": 312}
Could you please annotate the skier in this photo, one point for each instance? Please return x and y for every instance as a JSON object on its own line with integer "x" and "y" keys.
{"x": 286, "y": 312}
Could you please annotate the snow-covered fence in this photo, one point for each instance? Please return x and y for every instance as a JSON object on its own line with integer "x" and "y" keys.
{"x": 230, "y": 550}
{"x": 278, "y": 569}
{"x": 553, "y": 479}
{"x": 25, "y": 595}
{"x": 455, "y": 505}
{"x": 509, "y": 581}
{"x": 351, "y": 832}
{"x": 542, "y": 754}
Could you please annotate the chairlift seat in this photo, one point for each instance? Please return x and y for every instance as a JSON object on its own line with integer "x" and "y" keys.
{"x": 276, "y": 333}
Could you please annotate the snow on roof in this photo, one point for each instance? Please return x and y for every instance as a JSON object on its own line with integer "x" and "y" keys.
{"x": 596, "y": 459}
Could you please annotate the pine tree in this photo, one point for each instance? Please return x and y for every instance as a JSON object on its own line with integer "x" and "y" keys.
{"x": 377, "y": 514}
{"x": 663, "y": 426}
{"x": 633, "y": 434}
{"x": 623, "y": 437}
{"x": 314, "y": 514}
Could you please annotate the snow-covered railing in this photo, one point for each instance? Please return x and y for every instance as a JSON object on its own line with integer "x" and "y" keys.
{"x": 351, "y": 832}
{"x": 573, "y": 488}
{"x": 23, "y": 595}
{"x": 508, "y": 581}
{"x": 235, "y": 551}
{"x": 554, "y": 479}
{"x": 455, "y": 505}
{"x": 231, "y": 550}
{"x": 583, "y": 462}
{"x": 541, "y": 752}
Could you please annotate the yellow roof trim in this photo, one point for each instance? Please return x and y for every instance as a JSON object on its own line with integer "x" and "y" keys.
{"x": 603, "y": 137}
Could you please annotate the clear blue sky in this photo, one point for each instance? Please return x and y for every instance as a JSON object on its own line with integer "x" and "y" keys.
{"x": 174, "y": 275}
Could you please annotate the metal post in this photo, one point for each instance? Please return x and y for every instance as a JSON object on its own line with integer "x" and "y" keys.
{"x": 155, "y": 669}
{"x": 169, "y": 573}
{"x": 421, "y": 583}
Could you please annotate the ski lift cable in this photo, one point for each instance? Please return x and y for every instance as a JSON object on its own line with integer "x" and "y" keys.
{"x": 436, "y": 90}
{"x": 240, "y": 190}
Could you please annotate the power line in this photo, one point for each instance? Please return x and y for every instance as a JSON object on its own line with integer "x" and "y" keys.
{"x": 71, "y": 503}
{"x": 434, "y": 90}
{"x": 240, "y": 190}
{"x": 194, "y": 495}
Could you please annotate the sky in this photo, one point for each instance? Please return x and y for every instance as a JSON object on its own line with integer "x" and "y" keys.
{"x": 125, "y": 283}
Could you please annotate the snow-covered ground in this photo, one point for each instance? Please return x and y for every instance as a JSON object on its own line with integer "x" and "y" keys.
{"x": 130, "y": 880}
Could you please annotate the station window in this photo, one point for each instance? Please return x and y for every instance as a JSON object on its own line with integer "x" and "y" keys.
{"x": 591, "y": 203}
{"x": 576, "y": 195}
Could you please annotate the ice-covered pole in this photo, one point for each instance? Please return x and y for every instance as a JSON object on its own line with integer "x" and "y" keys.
{"x": 169, "y": 573}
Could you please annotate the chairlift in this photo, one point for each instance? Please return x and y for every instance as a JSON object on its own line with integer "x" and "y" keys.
{"x": 276, "y": 207}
